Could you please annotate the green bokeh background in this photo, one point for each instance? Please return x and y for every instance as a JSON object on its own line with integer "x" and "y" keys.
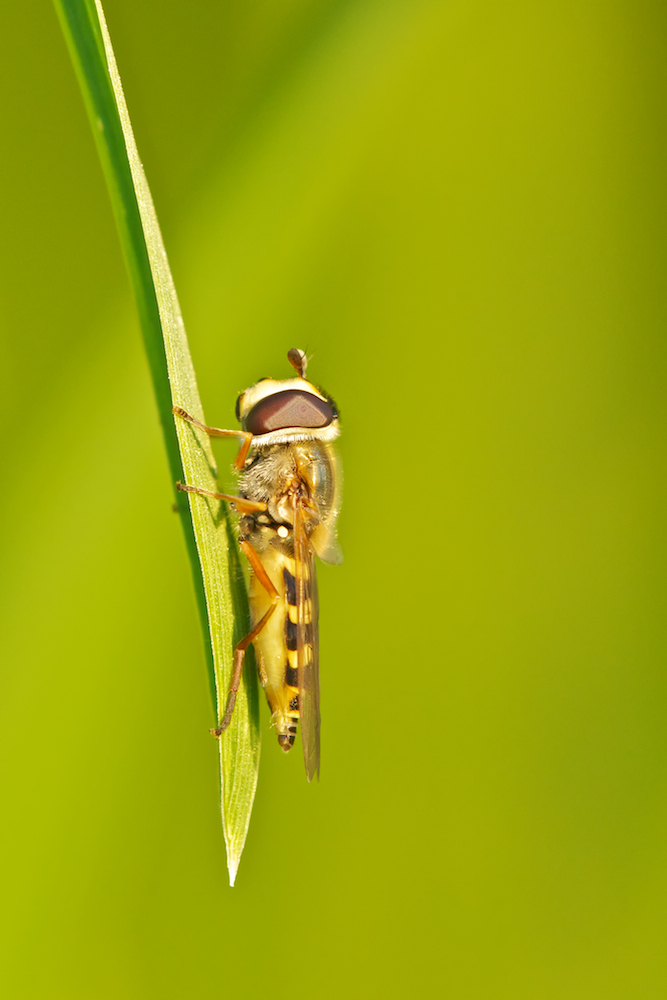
{"x": 459, "y": 209}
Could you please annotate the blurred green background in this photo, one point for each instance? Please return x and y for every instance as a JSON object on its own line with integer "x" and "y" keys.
{"x": 459, "y": 209}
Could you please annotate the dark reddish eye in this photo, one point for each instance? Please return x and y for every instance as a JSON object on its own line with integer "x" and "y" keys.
{"x": 290, "y": 408}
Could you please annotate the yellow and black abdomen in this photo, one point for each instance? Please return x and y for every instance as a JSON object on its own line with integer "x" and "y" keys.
{"x": 275, "y": 646}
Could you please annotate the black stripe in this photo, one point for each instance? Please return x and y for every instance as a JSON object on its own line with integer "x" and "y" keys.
{"x": 290, "y": 587}
{"x": 294, "y": 704}
{"x": 291, "y": 676}
{"x": 290, "y": 634}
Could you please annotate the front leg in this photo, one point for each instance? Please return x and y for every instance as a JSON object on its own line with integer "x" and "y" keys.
{"x": 219, "y": 432}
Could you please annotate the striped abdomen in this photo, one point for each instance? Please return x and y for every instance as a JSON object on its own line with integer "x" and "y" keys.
{"x": 277, "y": 645}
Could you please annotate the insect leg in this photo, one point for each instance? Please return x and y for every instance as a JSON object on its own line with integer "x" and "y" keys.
{"x": 219, "y": 432}
{"x": 239, "y": 652}
{"x": 242, "y": 505}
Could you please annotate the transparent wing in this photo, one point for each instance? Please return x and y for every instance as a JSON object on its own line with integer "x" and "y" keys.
{"x": 307, "y": 645}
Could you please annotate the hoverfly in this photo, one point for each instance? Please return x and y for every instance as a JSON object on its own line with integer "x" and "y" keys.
{"x": 288, "y": 499}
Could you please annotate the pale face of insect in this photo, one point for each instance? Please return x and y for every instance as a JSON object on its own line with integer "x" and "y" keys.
{"x": 278, "y": 411}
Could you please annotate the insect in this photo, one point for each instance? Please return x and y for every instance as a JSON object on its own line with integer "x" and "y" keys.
{"x": 288, "y": 499}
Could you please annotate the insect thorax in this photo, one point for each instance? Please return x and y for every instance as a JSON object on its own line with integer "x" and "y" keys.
{"x": 275, "y": 475}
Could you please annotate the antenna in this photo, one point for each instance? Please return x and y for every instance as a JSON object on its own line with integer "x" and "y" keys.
{"x": 298, "y": 360}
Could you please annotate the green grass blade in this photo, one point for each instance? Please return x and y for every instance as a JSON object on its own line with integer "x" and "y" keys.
{"x": 217, "y": 578}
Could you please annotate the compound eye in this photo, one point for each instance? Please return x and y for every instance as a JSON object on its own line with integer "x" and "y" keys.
{"x": 289, "y": 408}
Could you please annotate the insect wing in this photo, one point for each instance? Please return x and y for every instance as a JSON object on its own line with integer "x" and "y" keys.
{"x": 307, "y": 645}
